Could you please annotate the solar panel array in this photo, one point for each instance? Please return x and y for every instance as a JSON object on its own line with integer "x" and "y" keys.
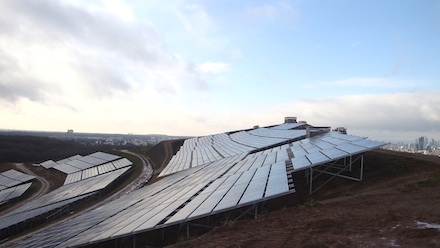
{"x": 11, "y": 185}
{"x": 60, "y": 197}
{"x": 78, "y": 163}
{"x": 210, "y": 187}
{"x": 328, "y": 147}
{"x": 12, "y": 178}
{"x": 201, "y": 150}
{"x": 287, "y": 126}
{"x": 97, "y": 170}
{"x": 49, "y": 164}
{"x": 13, "y": 192}
{"x": 199, "y": 191}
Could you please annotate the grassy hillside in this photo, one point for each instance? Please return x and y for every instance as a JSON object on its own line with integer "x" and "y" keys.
{"x": 20, "y": 149}
{"x": 161, "y": 153}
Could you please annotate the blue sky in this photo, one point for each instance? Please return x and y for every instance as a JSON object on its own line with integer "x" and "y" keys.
{"x": 205, "y": 67}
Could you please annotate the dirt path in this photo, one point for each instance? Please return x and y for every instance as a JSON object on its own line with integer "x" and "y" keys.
{"x": 144, "y": 176}
{"x": 167, "y": 156}
{"x": 45, "y": 187}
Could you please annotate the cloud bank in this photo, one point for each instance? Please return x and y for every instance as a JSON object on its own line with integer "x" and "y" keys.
{"x": 57, "y": 47}
{"x": 190, "y": 68}
{"x": 384, "y": 116}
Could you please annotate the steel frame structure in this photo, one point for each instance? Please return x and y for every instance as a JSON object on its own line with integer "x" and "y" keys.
{"x": 335, "y": 169}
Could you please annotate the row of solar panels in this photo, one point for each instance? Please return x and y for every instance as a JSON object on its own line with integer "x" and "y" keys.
{"x": 77, "y": 163}
{"x": 202, "y": 150}
{"x": 214, "y": 187}
{"x": 12, "y": 185}
{"x": 203, "y": 190}
{"x": 60, "y": 197}
{"x": 13, "y": 192}
{"x": 248, "y": 139}
{"x": 97, "y": 170}
{"x": 288, "y": 126}
{"x": 152, "y": 205}
{"x": 12, "y": 178}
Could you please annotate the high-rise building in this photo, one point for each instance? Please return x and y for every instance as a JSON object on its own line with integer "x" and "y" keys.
{"x": 422, "y": 143}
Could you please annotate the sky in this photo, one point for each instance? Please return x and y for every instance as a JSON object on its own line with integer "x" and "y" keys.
{"x": 202, "y": 67}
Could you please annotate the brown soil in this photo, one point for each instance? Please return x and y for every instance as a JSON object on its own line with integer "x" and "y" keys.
{"x": 398, "y": 190}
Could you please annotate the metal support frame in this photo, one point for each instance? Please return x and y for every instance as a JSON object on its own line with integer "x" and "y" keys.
{"x": 134, "y": 241}
{"x": 188, "y": 224}
{"x": 252, "y": 210}
{"x": 338, "y": 169}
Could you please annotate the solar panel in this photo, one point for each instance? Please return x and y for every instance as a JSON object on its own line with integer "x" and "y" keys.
{"x": 277, "y": 183}
{"x": 105, "y": 156}
{"x": 71, "y": 190}
{"x": 15, "y": 218}
{"x": 287, "y": 126}
{"x": 278, "y": 133}
{"x": 121, "y": 163}
{"x": 48, "y": 164}
{"x": 16, "y": 175}
{"x": 8, "y": 182}
{"x": 317, "y": 157}
{"x": 75, "y": 157}
{"x": 255, "y": 189}
{"x": 77, "y": 163}
{"x": 93, "y": 160}
{"x": 233, "y": 196}
{"x": 12, "y": 178}
{"x": 350, "y": 148}
{"x": 14, "y": 192}
{"x": 334, "y": 153}
{"x": 300, "y": 162}
{"x": 67, "y": 169}
{"x": 80, "y": 164}
{"x": 4, "y": 194}
{"x": 204, "y": 184}
{"x": 73, "y": 177}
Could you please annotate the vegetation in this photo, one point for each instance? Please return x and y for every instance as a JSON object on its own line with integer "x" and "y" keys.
{"x": 161, "y": 153}
{"x": 20, "y": 149}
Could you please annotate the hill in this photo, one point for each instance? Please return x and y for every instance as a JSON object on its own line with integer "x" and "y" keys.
{"x": 396, "y": 205}
{"x": 162, "y": 153}
{"x": 19, "y": 148}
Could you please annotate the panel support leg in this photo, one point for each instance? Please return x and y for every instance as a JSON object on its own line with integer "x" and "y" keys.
{"x": 134, "y": 241}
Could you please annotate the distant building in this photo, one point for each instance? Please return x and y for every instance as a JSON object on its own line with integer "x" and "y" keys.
{"x": 289, "y": 119}
{"x": 70, "y": 131}
{"x": 422, "y": 143}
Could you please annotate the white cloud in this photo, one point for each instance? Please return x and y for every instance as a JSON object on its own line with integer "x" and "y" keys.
{"x": 265, "y": 11}
{"x": 367, "y": 82}
{"x": 282, "y": 10}
{"x": 213, "y": 67}
{"x": 58, "y": 48}
{"x": 73, "y": 65}
{"x": 194, "y": 19}
{"x": 394, "y": 116}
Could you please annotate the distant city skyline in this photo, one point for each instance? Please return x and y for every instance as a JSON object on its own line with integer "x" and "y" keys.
{"x": 194, "y": 68}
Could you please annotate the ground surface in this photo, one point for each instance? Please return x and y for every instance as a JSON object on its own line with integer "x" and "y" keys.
{"x": 400, "y": 194}
{"x": 144, "y": 174}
